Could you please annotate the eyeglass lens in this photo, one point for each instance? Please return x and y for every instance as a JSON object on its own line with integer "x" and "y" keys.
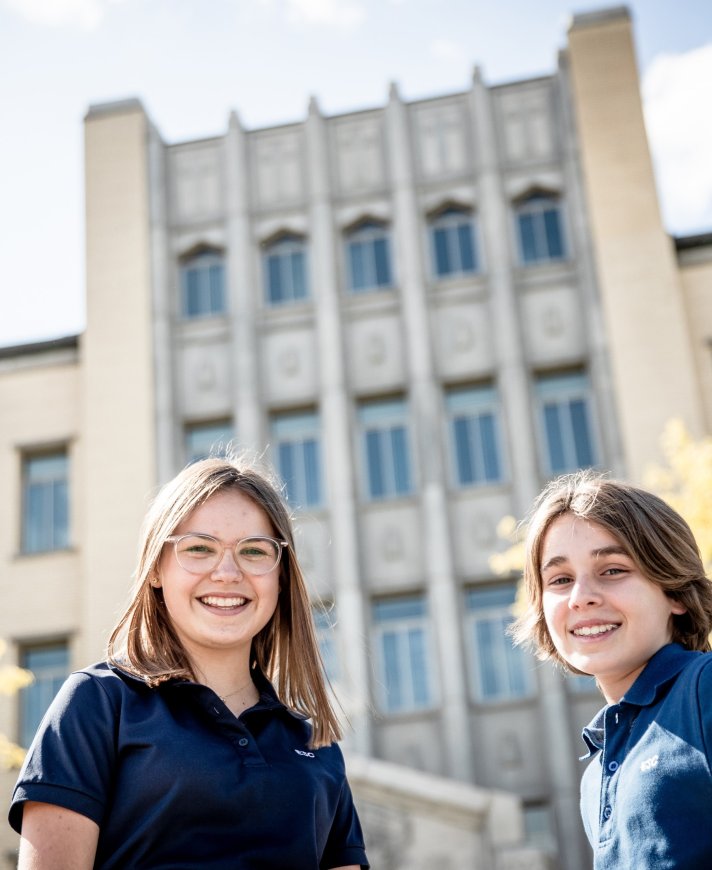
{"x": 202, "y": 553}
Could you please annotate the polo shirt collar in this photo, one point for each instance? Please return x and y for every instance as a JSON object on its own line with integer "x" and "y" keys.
{"x": 663, "y": 667}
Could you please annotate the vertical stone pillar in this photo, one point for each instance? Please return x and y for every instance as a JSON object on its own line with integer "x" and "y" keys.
{"x": 118, "y": 421}
{"x": 426, "y": 404}
{"x": 335, "y": 416}
{"x": 649, "y": 339}
{"x": 512, "y": 372}
{"x": 244, "y": 291}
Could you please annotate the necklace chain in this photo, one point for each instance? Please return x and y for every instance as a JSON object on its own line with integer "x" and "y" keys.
{"x": 223, "y": 698}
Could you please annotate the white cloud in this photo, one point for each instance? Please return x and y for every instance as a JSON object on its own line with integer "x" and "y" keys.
{"x": 448, "y": 51}
{"x": 85, "y": 13}
{"x": 346, "y": 14}
{"x": 677, "y": 94}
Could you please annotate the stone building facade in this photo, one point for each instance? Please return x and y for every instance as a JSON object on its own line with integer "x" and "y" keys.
{"x": 418, "y": 314}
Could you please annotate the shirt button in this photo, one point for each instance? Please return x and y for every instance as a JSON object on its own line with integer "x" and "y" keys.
{"x": 607, "y": 812}
{"x": 243, "y": 741}
{"x": 613, "y": 766}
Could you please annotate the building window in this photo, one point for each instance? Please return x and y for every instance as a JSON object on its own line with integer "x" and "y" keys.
{"x": 325, "y": 624}
{"x": 285, "y": 270}
{"x": 384, "y": 428}
{"x": 45, "y": 520}
{"x": 453, "y": 242}
{"x": 499, "y": 670}
{"x": 49, "y": 664}
{"x": 296, "y": 447}
{"x": 539, "y": 228}
{"x": 474, "y": 427}
{"x": 203, "y": 284}
{"x": 369, "y": 257}
{"x": 208, "y": 439}
{"x": 402, "y": 647}
{"x": 565, "y": 418}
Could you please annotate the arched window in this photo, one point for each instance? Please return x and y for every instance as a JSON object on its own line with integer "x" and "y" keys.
{"x": 453, "y": 243}
{"x": 203, "y": 284}
{"x": 285, "y": 270}
{"x": 539, "y": 227}
{"x": 368, "y": 257}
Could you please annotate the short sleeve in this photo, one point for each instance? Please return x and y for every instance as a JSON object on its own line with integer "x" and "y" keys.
{"x": 72, "y": 757}
{"x": 704, "y": 705}
{"x": 345, "y": 843}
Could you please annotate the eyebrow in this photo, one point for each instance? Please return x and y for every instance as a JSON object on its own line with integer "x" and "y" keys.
{"x": 610, "y": 550}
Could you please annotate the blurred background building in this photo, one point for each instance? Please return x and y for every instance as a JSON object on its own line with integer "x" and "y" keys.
{"x": 418, "y": 314}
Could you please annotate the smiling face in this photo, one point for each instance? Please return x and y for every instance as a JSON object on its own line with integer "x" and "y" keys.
{"x": 605, "y": 618}
{"x": 219, "y": 612}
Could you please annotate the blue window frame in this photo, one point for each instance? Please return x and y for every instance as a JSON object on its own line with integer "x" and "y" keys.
{"x": 49, "y": 664}
{"x": 296, "y": 445}
{"x": 208, "y": 439}
{"x": 384, "y": 430}
{"x": 368, "y": 253}
{"x": 474, "y": 429}
{"x": 402, "y": 647}
{"x": 203, "y": 285}
{"x": 285, "y": 270}
{"x": 454, "y": 249}
{"x": 539, "y": 229}
{"x": 565, "y": 418}
{"x": 45, "y": 512}
{"x": 499, "y": 670}
{"x": 325, "y": 624}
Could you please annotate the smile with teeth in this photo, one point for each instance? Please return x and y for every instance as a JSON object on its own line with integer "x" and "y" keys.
{"x": 214, "y": 601}
{"x": 593, "y": 630}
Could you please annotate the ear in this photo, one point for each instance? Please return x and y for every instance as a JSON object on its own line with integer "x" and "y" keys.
{"x": 677, "y": 608}
{"x": 155, "y": 581}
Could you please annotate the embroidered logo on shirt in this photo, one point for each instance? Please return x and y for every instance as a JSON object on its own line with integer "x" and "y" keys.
{"x": 649, "y": 763}
{"x": 311, "y": 754}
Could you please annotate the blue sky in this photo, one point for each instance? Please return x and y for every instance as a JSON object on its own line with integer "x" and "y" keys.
{"x": 192, "y": 61}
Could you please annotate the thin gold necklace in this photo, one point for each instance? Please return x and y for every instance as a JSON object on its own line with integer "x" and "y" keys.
{"x": 224, "y": 698}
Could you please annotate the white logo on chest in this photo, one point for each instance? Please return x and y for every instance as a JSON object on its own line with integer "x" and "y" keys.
{"x": 311, "y": 754}
{"x": 649, "y": 763}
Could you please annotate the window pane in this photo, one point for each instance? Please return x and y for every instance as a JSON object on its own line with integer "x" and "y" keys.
{"x": 375, "y": 465}
{"x": 50, "y": 666}
{"x": 552, "y": 227}
{"x": 499, "y": 670}
{"x": 208, "y": 439}
{"x": 489, "y": 447}
{"x": 442, "y": 257}
{"x": 400, "y": 460}
{"x": 527, "y": 238}
{"x": 358, "y": 269}
{"x": 311, "y": 469}
{"x": 383, "y": 266}
{"x": 554, "y": 439}
{"x": 467, "y": 254}
{"x": 463, "y": 453}
{"x": 296, "y": 439}
{"x": 581, "y": 432}
{"x": 45, "y": 516}
{"x": 203, "y": 283}
{"x": 402, "y": 642}
{"x": 298, "y": 282}
{"x": 275, "y": 292}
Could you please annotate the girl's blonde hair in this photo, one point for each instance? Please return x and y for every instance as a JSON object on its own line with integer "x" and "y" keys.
{"x": 654, "y": 535}
{"x": 286, "y": 651}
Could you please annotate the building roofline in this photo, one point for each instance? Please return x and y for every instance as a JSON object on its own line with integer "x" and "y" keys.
{"x": 599, "y": 16}
{"x": 699, "y": 240}
{"x": 66, "y": 342}
{"x": 114, "y": 107}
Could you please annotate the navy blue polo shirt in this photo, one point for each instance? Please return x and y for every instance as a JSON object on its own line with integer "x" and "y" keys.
{"x": 646, "y": 798}
{"x": 175, "y": 780}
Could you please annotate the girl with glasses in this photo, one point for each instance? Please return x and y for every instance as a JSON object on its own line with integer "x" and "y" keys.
{"x": 207, "y": 739}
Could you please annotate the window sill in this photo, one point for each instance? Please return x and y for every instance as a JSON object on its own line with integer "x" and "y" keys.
{"x": 22, "y": 556}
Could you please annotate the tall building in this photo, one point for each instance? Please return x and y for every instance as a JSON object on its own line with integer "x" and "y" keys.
{"x": 418, "y": 313}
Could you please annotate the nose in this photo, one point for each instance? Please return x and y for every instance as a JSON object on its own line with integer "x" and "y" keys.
{"x": 584, "y": 592}
{"x": 227, "y": 568}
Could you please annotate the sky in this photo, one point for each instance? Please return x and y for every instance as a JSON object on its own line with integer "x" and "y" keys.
{"x": 191, "y": 62}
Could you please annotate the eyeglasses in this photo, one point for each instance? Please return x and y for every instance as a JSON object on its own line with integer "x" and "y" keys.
{"x": 200, "y": 554}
